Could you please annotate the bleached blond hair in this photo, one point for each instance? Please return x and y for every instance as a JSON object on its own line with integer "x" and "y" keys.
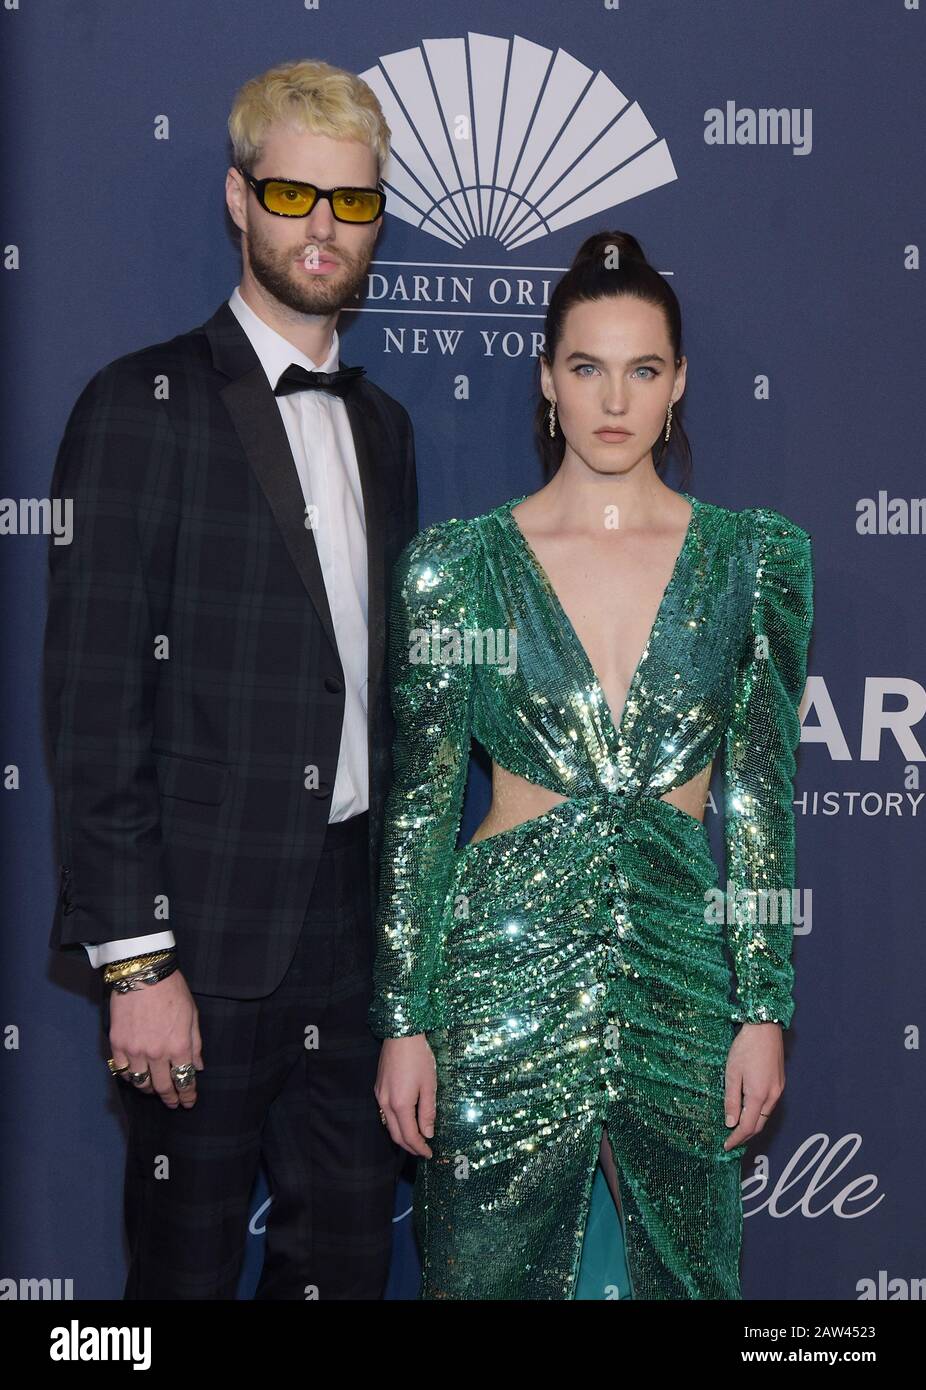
{"x": 313, "y": 96}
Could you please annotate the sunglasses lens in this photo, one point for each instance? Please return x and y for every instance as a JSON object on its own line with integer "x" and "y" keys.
{"x": 357, "y": 205}
{"x": 291, "y": 199}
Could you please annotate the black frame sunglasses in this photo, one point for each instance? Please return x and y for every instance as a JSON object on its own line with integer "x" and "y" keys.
{"x": 260, "y": 188}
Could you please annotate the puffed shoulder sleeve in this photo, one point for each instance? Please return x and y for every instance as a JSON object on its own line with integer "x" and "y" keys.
{"x": 431, "y": 684}
{"x": 760, "y": 745}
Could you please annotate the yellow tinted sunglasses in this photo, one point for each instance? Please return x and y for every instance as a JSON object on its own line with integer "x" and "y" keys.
{"x": 289, "y": 198}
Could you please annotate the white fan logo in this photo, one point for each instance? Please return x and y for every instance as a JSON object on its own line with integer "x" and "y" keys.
{"x": 503, "y": 138}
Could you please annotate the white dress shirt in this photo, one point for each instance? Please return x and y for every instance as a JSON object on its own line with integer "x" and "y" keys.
{"x": 319, "y": 434}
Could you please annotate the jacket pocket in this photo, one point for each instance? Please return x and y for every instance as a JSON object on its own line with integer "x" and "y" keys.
{"x": 190, "y": 779}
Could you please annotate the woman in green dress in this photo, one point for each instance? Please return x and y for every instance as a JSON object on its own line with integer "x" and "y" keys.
{"x": 583, "y": 1027}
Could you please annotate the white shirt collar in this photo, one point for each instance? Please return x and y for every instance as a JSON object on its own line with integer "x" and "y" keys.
{"x": 275, "y": 352}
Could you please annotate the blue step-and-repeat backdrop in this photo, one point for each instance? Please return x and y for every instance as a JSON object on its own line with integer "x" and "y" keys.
{"x": 769, "y": 157}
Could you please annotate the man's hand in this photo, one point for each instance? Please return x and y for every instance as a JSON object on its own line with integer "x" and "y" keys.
{"x": 153, "y": 1029}
{"x": 406, "y": 1089}
{"x": 755, "y": 1079}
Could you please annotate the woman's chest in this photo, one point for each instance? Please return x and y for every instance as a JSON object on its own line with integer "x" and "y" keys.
{"x": 584, "y": 672}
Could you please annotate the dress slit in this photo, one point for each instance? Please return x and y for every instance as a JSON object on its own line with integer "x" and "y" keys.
{"x": 602, "y": 1262}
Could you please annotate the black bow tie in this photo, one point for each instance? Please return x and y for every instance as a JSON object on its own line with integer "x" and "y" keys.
{"x": 298, "y": 379}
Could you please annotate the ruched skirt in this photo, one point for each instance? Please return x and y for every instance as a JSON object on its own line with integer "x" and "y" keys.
{"x": 585, "y": 985}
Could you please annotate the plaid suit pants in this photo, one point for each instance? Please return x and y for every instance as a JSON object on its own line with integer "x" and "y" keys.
{"x": 288, "y": 1081}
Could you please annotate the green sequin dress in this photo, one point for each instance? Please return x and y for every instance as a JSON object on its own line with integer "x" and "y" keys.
{"x": 586, "y": 968}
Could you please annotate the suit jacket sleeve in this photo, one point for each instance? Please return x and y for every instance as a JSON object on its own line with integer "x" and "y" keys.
{"x": 432, "y": 604}
{"x": 410, "y": 497}
{"x": 760, "y": 745}
{"x": 108, "y": 605}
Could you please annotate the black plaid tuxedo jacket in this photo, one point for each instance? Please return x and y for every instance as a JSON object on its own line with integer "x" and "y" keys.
{"x": 193, "y": 690}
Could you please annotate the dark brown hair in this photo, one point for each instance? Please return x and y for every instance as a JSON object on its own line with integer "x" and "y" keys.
{"x": 591, "y": 277}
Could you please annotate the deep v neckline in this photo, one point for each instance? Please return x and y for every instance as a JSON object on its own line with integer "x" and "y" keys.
{"x": 506, "y": 512}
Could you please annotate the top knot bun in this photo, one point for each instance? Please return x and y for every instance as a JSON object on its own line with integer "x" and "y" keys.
{"x": 597, "y": 246}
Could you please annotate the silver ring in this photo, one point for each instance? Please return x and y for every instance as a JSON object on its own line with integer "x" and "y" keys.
{"x": 184, "y": 1075}
{"x": 138, "y": 1078}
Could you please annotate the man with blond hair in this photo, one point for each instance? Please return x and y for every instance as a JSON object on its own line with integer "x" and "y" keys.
{"x": 220, "y": 724}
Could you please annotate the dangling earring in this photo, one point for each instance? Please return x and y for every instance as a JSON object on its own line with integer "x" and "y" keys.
{"x": 668, "y": 423}
{"x": 552, "y": 418}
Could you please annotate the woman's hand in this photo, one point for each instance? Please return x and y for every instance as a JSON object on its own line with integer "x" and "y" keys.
{"x": 755, "y": 1080}
{"x": 406, "y": 1088}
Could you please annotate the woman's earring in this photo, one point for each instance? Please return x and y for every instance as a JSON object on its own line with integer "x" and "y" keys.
{"x": 668, "y": 423}
{"x": 552, "y": 418}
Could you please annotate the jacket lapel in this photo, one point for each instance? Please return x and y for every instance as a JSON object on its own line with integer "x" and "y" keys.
{"x": 255, "y": 415}
{"x": 368, "y": 444}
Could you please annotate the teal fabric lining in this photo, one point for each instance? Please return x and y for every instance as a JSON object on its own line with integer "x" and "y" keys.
{"x": 603, "y": 1264}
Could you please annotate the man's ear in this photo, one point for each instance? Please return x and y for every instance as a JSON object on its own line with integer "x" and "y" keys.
{"x": 233, "y": 199}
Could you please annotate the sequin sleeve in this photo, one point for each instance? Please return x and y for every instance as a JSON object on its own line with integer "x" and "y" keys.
{"x": 431, "y": 692}
{"x": 761, "y": 743}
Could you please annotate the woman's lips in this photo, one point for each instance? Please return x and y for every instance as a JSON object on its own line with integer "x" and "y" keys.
{"x": 613, "y": 436}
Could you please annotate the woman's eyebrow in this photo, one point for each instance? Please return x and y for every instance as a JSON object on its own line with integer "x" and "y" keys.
{"x": 631, "y": 362}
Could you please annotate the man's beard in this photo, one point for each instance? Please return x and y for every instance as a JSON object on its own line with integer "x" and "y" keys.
{"x": 306, "y": 294}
